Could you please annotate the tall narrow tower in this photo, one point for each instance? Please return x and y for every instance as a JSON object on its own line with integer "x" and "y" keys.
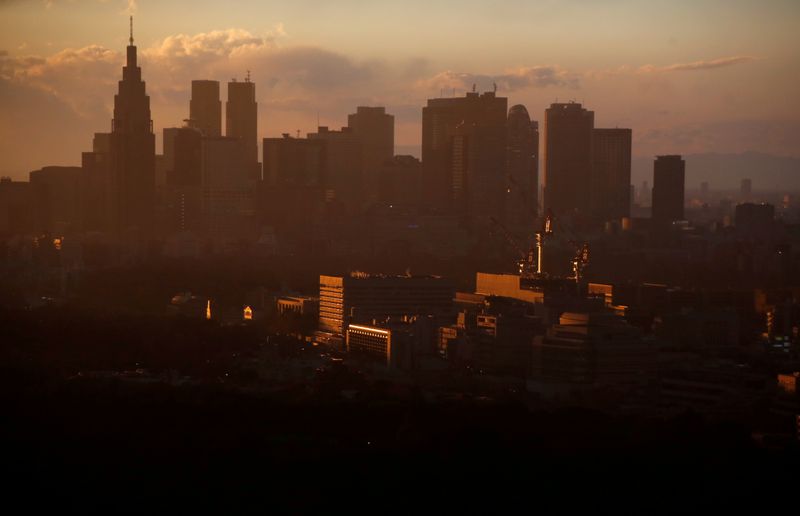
{"x": 241, "y": 115}
{"x": 205, "y": 108}
{"x": 132, "y": 152}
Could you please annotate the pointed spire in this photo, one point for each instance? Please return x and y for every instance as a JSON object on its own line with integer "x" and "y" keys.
{"x": 131, "y": 31}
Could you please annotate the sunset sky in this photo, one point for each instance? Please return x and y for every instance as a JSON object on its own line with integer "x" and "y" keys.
{"x": 686, "y": 76}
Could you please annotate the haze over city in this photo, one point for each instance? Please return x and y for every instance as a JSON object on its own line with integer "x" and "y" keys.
{"x": 717, "y": 76}
{"x": 322, "y": 257}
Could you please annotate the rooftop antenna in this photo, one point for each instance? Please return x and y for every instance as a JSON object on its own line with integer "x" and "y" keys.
{"x": 473, "y": 87}
{"x": 494, "y": 84}
{"x": 247, "y": 79}
{"x": 298, "y": 133}
{"x": 131, "y": 40}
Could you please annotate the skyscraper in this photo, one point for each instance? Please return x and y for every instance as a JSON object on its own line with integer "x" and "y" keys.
{"x": 523, "y": 170}
{"x": 182, "y": 154}
{"x": 205, "y": 108}
{"x": 611, "y": 174}
{"x": 567, "y": 158}
{"x": 132, "y": 152}
{"x": 375, "y": 129}
{"x": 669, "y": 174}
{"x": 241, "y": 119}
{"x": 464, "y": 144}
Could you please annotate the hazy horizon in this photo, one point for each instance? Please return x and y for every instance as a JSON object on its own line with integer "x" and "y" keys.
{"x": 675, "y": 76}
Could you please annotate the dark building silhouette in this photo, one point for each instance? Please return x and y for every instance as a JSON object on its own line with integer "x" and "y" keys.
{"x": 523, "y": 168}
{"x": 62, "y": 190}
{"x": 228, "y": 189}
{"x": 19, "y": 201}
{"x": 241, "y": 120}
{"x": 183, "y": 164}
{"x": 401, "y": 181}
{"x": 294, "y": 161}
{"x": 755, "y": 219}
{"x": 669, "y": 174}
{"x": 343, "y": 170}
{"x": 464, "y": 145}
{"x": 375, "y": 129}
{"x": 132, "y": 152}
{"x": 96, "y": 167}
{"x": 567, "y": 158}
{"x": 205, "y": 107}
{"x": 611, "y": 173}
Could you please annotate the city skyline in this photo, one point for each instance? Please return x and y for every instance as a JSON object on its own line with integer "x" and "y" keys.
{"x": 60, "y": 72}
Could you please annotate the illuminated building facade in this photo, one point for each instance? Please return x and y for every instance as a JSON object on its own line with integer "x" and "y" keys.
{"x": 361, "y": 298}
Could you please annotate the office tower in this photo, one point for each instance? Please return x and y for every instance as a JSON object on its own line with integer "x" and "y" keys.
{"x": 205, "y": 108}
{"x": 132, "y": 152}
{"x": 294, "y": 161}
{"x": 96, "y": 167}
{"x": 464, "y": 144}
{"x": 567, "y": 158}
{"x": 228, "y": 189}
{"x": 669, "y": 174}
{"x": 19, "y": 208}
{"x": 611, "y": 174}
{"x": 401, "y": 181}
{"x": 361, "y": 297}
{"x": 523, "y": 170}
{"x": 241, "y": 120}
{"x": 183, "y": 193}
{"x": 63, "y": 193}
{"x": 375, "y": 129}
{"x": 343, "y": 171}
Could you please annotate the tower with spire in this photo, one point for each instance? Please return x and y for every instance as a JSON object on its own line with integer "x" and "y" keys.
{"x": 132, "y": 195}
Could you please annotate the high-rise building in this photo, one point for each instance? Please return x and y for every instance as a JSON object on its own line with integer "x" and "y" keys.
{"x": 523, "y": 168}
{"x": 132, "y": 152}
{"x": 241, "y": 120}
{"x": 228, "y": 189}
{"x": 63, "y": 190}
{"x": 360, "y": 297}
{"x": 294, "y": 161}
{"x": 343, "y": 176}
{"x": 183, "y": 192}
{"x": 611, "y": 174}
{"x": 205, "y": 107}
{"x": 96, "y": 169}
{"x": 567, "y": 158}
{"x": 375, "y": 129}
{"x": 669, "y": 175}
{"x": 464, "y": 144}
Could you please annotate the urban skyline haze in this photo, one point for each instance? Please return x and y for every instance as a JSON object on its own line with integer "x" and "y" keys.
{"x": 676, "y": 78}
